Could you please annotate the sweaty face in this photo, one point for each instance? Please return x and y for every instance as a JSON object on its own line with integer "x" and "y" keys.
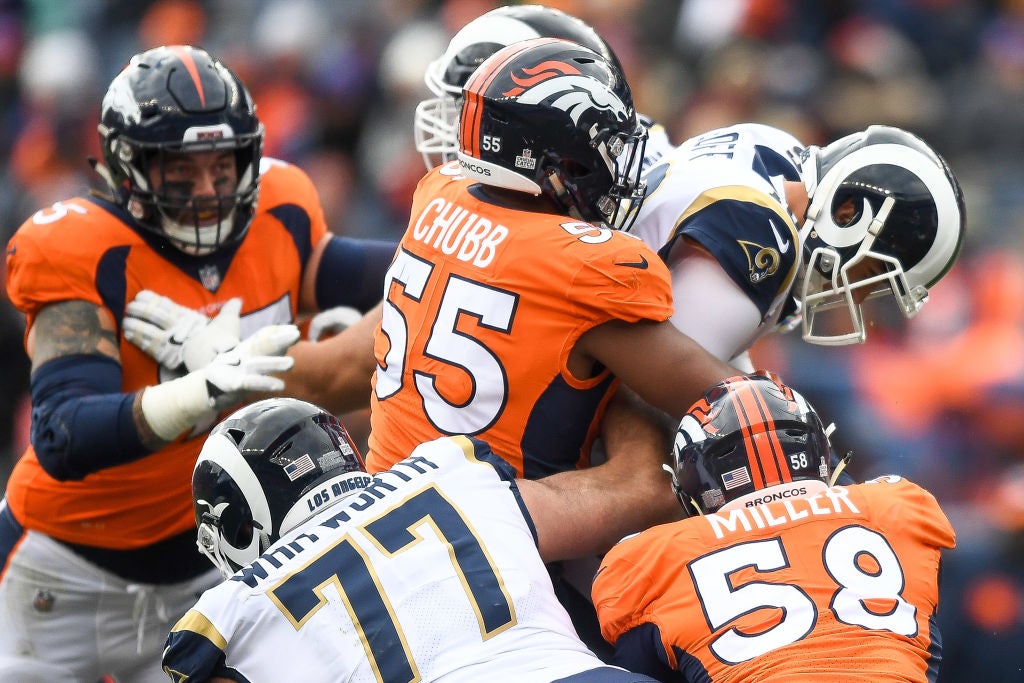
{"x": 196, "y": 188}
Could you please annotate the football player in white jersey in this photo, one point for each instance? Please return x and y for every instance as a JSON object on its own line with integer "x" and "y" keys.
{"x": 429, "y": 571}
{"x": 761, "y": 232}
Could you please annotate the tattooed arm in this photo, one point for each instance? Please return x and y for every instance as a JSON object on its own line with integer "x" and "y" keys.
{"x": 72, "y": 327}
{"x": 82, "y": 420}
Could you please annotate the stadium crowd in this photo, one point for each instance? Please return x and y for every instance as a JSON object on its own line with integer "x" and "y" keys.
{"x": 939, "y": 400}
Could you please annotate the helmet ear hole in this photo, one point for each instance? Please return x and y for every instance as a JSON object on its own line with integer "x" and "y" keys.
{"x": 236, "y": 526}
{"x": 573, "y": 169}
{"x": 235, "y": 435}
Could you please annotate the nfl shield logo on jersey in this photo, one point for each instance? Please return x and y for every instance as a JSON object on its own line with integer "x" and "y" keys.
{"x": 209, "y": 276}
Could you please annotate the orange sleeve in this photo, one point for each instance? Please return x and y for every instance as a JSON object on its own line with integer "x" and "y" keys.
{"x": 906, "y": 509}
{"x": 629, "y": 282}
{"x": 50, "y": 261}
{"x": 292, "y": 186}
{"x": 619, "y": 588}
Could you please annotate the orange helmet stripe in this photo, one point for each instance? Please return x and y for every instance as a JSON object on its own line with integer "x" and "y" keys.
{"x": 766, "y": 457}
{"x": 190, "y": 65}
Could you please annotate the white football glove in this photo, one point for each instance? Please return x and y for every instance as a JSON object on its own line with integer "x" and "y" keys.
{"x": 172, "y": 407}
{"x": 174, "y": 335}
{"x": 332, "y": 321}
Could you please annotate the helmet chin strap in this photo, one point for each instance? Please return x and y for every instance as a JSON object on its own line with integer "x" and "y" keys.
{"x": 563, "y": 195}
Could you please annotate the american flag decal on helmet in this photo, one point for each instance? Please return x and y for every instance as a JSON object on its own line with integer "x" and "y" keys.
{"x": 735, "y": 478}
{"x": 299, "y": 467}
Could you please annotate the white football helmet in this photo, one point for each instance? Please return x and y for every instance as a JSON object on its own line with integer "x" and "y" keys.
{"x": 885, "y": 213}
{"x": 437, "y": 118}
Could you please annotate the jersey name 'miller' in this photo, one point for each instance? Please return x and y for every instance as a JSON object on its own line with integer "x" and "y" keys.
{"x": 828, "y": 502}
{"x": 458, "y": 231}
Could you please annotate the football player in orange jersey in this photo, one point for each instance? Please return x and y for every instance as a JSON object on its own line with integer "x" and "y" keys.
{"x": 512, "y": 307}
{"x": 779, "y": 575}
{"x": 97, "y": 537}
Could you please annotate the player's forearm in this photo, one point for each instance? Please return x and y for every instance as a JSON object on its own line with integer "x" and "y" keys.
{"x": 585, "y": 512}
{"x": 81, "y": 421}
{"x": 334, "y": 373}
{"x": 627, "y": 493}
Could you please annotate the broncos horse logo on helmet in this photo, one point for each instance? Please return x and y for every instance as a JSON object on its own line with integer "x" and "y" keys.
{"x": 565, "y": 88}
{"x": 549, "y": 117}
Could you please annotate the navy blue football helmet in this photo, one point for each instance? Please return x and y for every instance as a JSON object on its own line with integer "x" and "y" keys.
{"x": 175, "y": 100}
{"x": 746, "y": 434}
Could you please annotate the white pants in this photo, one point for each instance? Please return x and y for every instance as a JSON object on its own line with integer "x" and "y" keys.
{"x": 59, "y": 610}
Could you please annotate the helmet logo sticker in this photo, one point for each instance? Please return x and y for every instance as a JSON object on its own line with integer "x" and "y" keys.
{"x": 120, "y": 98}
{"x": 221, "y": 131}
{"x": 567, "y": 89}
{"x": 526, "y": 160}
{"x": 762, "y": 262}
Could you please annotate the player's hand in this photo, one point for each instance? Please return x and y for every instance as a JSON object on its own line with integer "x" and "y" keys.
{"x": 332, "y": 321}
{"x": 250, "y": 366}
{"x": 177, "y": 336}
{"x": 172, "y": 407}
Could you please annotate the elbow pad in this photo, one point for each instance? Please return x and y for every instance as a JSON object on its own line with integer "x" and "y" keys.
{"x": 81, "y": 421}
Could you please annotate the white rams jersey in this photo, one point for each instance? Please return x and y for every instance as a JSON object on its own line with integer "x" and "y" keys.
{"x": 724, "y": 190}
{"x": 431, "y": 573}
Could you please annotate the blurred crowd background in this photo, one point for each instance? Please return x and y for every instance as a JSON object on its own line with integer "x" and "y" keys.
{"x": 939, "y": 400}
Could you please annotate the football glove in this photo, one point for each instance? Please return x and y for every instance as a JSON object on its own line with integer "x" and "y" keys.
{"x": 332, "y": 321}
{"x": 172, "y": 407}
{"x": 177, "y": 336}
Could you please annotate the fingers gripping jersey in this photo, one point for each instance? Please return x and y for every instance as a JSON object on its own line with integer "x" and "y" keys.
{"x": 86, "y": 249}
{"x": 839, "y": 586}
{"x": 724, "y": 190}
{"x": 431, "y": 573}
{"x": 483, "y": 306}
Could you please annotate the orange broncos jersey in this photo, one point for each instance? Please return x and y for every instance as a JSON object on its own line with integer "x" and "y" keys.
{"x": 483, "y": 306}
{"x": 85, "y": 249}
{"x": 837, "y": 586}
